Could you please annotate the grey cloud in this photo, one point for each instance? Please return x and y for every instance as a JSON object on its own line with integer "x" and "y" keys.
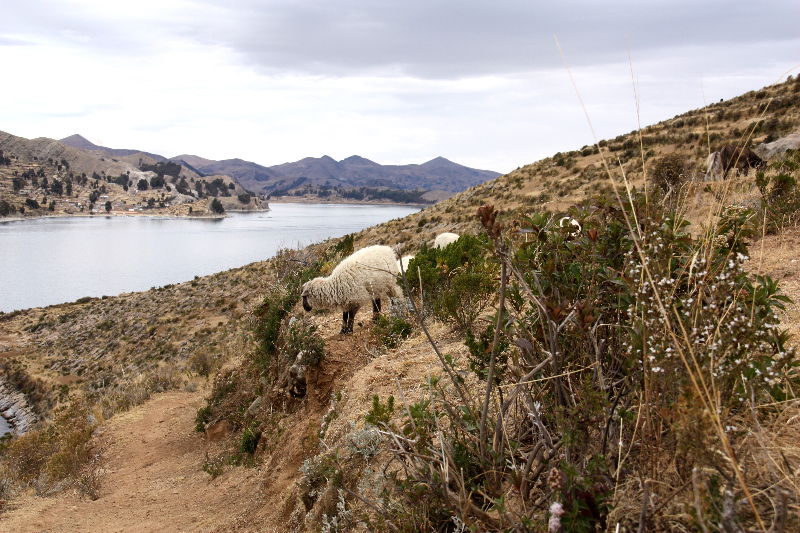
{"x": 447, "y": 39}
{"x": 430, "y": 39}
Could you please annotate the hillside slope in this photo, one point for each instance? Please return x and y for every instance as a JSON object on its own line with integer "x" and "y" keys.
{"x": 96, "y": 347}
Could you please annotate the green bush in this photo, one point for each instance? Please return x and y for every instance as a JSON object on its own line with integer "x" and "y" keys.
{"x": 392, "y": 330}
{"x": 250, "y": 437}
{"x": 780, "y": 194}
{"x": 613, "y": 334}
{"x": 279, "y": 300}
{"x": 456, "y": 282}
{"x": 301, "y": 338}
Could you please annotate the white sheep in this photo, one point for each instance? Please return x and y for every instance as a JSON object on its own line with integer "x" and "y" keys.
{"x": 406, "y": 260}
{"x": 443, "y": 239}
{"x": 369, "y": 275}
{"x": 715, "y": 169}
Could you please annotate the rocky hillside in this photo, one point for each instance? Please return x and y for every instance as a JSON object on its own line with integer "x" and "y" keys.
{"x": 755, "y": 119}
{"x": 44, "y": 177}
{"x": 306, "y": 457}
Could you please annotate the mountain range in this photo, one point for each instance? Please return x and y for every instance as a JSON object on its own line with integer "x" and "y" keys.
{"x": 354, "y": 171}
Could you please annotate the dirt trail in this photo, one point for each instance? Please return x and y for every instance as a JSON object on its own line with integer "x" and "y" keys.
{"x": 154, "y": 480}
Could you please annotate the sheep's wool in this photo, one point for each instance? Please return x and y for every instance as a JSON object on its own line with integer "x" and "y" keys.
{"x": 369, "y": 274}
{"x": 443, "y": 239}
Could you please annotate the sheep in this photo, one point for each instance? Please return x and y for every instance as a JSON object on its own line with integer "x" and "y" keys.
{"x": 369, "y": 275}
{"x": 444, "y": 239}
{"x": 714, "y": 166}
{"x": 405, "y": 260}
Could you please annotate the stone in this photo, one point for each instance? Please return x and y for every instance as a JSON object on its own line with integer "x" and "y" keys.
{"x": 297, "y": 381}
{"x": 774, "y": 148}
{"x": 217, "y": 431}
{"x": 254, "y": 406}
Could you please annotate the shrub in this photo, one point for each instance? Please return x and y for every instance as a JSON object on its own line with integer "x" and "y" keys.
{"x": 292, "y": 271}
{"x": 142, "y": 184}
{"x": 244, "y": 197}
{"x": 780, "y": 194}
{"x": 616, "y": 334}
{"x": 54, "y": 456}
{"x": 31, "y": 203}
{"x": 249, "y": 442}
{"x": 670, "y": 172}
{"x": 456, "y": 282}
{"x": 302, "y": 339}
{"x": 392, "y": 330}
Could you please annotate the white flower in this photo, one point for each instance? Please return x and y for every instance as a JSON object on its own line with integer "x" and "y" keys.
{"x": 556, "y": 510}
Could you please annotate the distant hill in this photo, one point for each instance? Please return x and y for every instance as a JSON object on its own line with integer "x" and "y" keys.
{"x": 354, "y": 171}
{"x": 438, "y": 174}
{"x": 80, "y": 142}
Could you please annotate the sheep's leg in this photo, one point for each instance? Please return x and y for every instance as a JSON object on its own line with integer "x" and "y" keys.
{"x": 348, "y": 317}
{"x": 376, "y": 309}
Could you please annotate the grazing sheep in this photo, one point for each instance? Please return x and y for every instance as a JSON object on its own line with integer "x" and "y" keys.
{"x": 714, "y": 166}
{"x": 740, "y": 158}
{"x": 406, "y": 260}
{"x": 444, "y": 239}
{"x": 369, "y": 275}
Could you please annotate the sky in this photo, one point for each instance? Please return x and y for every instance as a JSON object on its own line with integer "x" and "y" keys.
{"x": 397, "y": 81}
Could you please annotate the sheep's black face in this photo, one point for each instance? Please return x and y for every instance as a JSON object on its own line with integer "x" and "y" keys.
{"x": 306, "y": 305}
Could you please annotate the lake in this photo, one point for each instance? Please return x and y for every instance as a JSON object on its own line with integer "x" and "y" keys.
{"x": 54, "y": 260}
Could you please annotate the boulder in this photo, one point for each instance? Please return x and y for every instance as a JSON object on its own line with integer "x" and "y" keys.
{"x": 778, "y": 147}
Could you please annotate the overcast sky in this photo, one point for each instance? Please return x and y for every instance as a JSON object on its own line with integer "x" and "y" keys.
{"x": 480, "y": 83}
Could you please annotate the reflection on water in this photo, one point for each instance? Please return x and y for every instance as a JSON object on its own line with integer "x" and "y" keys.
{"x": 49, "y": 261}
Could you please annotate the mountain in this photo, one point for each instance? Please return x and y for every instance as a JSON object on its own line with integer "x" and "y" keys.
{"x": 354, "y": 171}
{"x": 80, "y": 142}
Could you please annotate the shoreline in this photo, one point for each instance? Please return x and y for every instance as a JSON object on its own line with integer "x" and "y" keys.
{"x": 388, "y": 204}
{"x": 131, "y": 215}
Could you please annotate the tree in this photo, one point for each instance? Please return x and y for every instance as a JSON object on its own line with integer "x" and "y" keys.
{"x": 57, "y": 187}
{"x": 142, "y": 185}
{"x": 108, "y": 206}
{"x": 69, "y": 187}
{"x": 216, "y": 206}
{"x": 244, "y": 198}
{"x": 30, "y": 202}
{"x": 157, "y": 182}
{"x": 5, "y": 208}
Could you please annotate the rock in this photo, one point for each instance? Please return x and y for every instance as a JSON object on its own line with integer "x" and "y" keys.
{"x": 254, "y": 406}
{"x": 15, "y": 409}
{"x": 297, "y": 381}
{"x": 217, "y": 431}
{"x": 772, "y": 149}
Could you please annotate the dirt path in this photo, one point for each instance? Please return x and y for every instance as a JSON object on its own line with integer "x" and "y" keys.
{"x": 154, "y": 480}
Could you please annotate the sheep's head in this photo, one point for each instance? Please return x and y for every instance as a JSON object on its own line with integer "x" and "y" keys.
{"x": 310, "y": 294}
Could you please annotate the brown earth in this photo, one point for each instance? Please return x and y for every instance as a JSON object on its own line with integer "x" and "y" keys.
{"x": 152, "y": 458}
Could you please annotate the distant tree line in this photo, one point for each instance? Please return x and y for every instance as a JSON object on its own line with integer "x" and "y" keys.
{"x": 165, "y": 169}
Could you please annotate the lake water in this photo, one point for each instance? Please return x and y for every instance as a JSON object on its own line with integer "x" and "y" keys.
{"x": 54, "y": 260}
